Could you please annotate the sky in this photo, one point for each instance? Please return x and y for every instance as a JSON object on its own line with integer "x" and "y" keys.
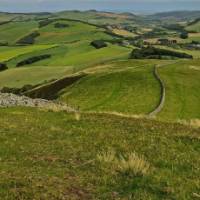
{"x": 137, "y": 6}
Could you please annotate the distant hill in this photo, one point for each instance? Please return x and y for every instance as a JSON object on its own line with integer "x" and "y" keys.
{"x": 176, "y": 15}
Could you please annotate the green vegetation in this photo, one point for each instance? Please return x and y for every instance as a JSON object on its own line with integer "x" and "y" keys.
{"x": 78, "y": 31}
{"x": 66, "y": 55}
{"x": 3, "y": 67}
{"x": 29, "y": 39}
{"x": 53, "y": 156}
{"x": 18, "y": 77}
{"x": 156, "y": 53}
{"x": 182, "y": 90}
{"x": 127, "y": 86}
{"x": 13, "y": 31}
{"x": 8, "y": 53}
{"x": 33, "y": 60}
{"x": 194, "y": 27}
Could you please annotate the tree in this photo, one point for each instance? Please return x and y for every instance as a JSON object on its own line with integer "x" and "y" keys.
{"x": 184, "y": 35}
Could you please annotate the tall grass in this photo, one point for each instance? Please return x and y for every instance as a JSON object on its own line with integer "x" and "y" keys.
{"x": 130, "y": 163}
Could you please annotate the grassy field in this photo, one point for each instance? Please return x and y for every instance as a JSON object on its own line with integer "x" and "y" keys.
{"x": 194, "y": 27}
{"x": 76, "y": 31}
{"x": 8, "y": 53}
{"x": 46, "y": 155}
{"x": 124, "y": 33}
{"x": 66, "y": 55}
{"x": 13, "y": 31}
{"x": 125, "y": 86}
{"x": 182, "y": 90}
{"x": 18, "y": 77}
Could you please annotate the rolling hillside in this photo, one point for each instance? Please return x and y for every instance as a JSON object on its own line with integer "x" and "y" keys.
{"x": 53, "y": 156}
{"x": 130, "y": 84}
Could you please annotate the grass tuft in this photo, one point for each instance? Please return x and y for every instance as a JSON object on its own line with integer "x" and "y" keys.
{"x": 130, "y": 163}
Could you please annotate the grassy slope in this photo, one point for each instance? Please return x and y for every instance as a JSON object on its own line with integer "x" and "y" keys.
{"x": 194, "y": 27}
{"x": 126, "y": 86}
{"x": 46, "y": 155}
{"x": 8, "y": 53}
{"x": 75, "y": 31}
{"x": 13, "y": 31}
{"x": 86, "y": 54}
{"x": 99, "y": 18}
{"x": 18, "y": 77}
{"x": 182, "y": 90}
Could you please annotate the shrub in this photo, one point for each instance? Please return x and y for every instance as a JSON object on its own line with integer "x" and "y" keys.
{"x": 45, "y": 22}
{"x": 34, "y": 59}
{"x": 98, "y": 44}
{"x": 3, "y": 43}
{"x": 29, "y": 39}
{"x": 3, "y": 66}
{"x": 184, "y": 35}
{"x": 61, "y": 25}
{"x": 17, "y": 90}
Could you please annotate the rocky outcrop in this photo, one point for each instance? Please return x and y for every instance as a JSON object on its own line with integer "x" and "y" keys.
{"x": 12, "y": 100}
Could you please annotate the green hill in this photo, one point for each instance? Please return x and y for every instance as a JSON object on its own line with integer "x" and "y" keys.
{"x": 194, "y": 27}
{"x": 13, "y": 31}
{"x": 182, "y": 90}
{"x": 126, "y": 86}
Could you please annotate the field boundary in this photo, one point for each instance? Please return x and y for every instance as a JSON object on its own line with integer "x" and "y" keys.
{"x": 163, "y": 93}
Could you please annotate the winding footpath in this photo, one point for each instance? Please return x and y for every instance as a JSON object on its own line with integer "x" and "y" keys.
{"x": 163, "y": 93}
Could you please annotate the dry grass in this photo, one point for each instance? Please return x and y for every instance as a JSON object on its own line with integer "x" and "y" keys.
{"x": 130, "y": 163}
{"x": 193, "y": 122}
{"x": 133, "y": 163}
{"x": 124, "y": 33}
{"x": 77, "y": 116}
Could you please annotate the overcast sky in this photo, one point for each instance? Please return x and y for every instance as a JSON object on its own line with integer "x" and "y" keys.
{"x": 108, "y": 5}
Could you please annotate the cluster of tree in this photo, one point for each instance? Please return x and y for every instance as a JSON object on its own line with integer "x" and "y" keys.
{"x": 184, "y": 35}
{"x": 29, "y": 39}
{"x": 3, "y": 43}
{"x": 3, "y": 66}
{"x": 61, "y": 25}
{"x": 156, "y": 53}
{"x": 195, "y": 42}
{"x": 34, "y": 59}
{"x": 18, "y": 91}
{"x": 98, "y": 44}
{"x": 45, "y": 22}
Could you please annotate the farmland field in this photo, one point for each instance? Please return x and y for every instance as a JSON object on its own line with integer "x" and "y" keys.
{"x": 13, "y": 31}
